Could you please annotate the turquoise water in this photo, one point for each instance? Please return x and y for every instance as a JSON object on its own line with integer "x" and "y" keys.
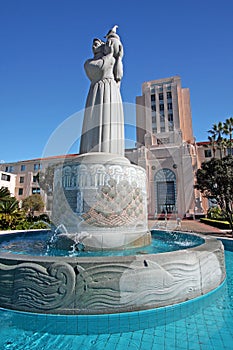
{"x": 37, "y": 244}
{"x": 206, "y": 324}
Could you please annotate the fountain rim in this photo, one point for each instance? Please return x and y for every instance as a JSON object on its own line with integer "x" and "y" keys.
{"x": 68, "y": 297}
{"x": 72, "y": 259}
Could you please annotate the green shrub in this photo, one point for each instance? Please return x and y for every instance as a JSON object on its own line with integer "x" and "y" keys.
{"x": 214, "y": 213}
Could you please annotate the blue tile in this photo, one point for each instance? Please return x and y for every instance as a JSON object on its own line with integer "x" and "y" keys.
{"x": 82, "y": 326}
{"x": 72, "y": 325}
{"x": 103, "y": 327}
{"x": 227, "y": 342}
{"x": 159, "y": 341}
{"x": 61, "y": 326}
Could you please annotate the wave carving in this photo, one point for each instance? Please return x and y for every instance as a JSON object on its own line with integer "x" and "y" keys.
{"x": 170, "y": 282}
{"x": 98, "y": 286}
{"x": 147, "y": 282}
{"x": 31, "y": 286}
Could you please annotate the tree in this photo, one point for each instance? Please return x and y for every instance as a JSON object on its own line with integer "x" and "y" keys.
{"x": 9, "y": 209}
{"x": 33, "y": 203}
{"x": 212, "y": 143}
{"x": 215, "y": 181}
{"x": 4, "y": 194}
{"x": 216, "y": 139}
{"x": 217, "y": 132}
{"x": 12, "y": 217}
{"x": 228, "y": 130}
{"x": 9, "y": 206}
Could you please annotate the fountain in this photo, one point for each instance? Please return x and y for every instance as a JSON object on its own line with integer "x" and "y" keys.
{"x": 100, "y": 205}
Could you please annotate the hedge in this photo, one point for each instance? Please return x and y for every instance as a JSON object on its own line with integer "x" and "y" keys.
{"x": 216, "y": 223}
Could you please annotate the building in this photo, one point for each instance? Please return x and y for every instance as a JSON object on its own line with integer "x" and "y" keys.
{"x": 24, "y": 180}
{"x": 8, "y": 180}
{"x": 166, "y": 147}
{"x": 164, "y": 112}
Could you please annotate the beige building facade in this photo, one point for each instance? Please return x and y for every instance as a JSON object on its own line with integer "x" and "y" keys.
{"x": 166, "y": 147}
{"x": 24, "y": 181}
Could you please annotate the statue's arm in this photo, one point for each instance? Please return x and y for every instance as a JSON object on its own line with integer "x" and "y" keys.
{"x": 118, "y": 67}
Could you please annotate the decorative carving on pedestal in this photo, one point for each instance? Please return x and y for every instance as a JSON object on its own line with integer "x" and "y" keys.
{"x": 101, "y": 194}
{"x": 117, "y": 205}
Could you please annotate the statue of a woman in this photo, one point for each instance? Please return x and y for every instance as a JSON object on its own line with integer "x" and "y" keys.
{"x": 103, "y": 124}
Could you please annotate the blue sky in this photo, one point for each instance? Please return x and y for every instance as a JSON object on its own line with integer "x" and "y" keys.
{"x": 44, "y": 44}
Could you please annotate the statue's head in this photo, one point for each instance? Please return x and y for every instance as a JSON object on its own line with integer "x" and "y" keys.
{"x": 97, "y": 46}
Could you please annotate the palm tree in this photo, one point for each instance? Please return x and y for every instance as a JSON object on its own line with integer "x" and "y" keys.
{"x": 228, "y": 130}
{"x": 8, "y": 210}
{"x": 213, "y": 144}
{"x": 216, "y": 132}
{"x": 4, "y": 194}
{"x": 225, "y": 144}
{"x": 9, "y": 207}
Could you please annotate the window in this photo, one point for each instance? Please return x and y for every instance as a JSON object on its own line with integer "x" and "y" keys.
{"x": 34, "y": 178}
{"x": 21, "y": 179}
{"x": 165, "y": 191}
{"x": 153, "y": 108}
{"x": 23, "y": 167}
{"x": 169, "y": 94}
{"x": 171, "y": 127}
{"x": 166, "y": 196}
{"x": 36, "y": 190}
{"x": 170, "y": 117}
{"x": 162, "y": 118}
{"x": 37, "y": 166}
{"x": 20, "y": 191}
{"x": 152, "y": 97}
{"x": 154, "y": 120}
{"x": 163, "y": 140}
{"x": 154, "y": 130}
{"x": 208, "y": 153}
{"x": 162, "y": 129}
{"x": 161, "y": 96}
{"x": 161, "y": 107}
{"x": 9, "y": 168}
{"x": 169, "y": 105}
{"x": 6, "y": 177}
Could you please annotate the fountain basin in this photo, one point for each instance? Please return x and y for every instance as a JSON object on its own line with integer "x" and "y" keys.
{"x": 109, "y": 284}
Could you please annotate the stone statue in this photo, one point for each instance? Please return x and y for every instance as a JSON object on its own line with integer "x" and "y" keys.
{"x": 99, "y": 196}
{"x": 103, "y": 124}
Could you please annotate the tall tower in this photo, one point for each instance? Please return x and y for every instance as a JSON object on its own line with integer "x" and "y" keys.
{"x": 165, "y": 146}
{"x": 164, "y": 111}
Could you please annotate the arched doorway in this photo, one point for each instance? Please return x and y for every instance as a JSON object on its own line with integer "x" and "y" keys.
{"x": 165, "y": 191}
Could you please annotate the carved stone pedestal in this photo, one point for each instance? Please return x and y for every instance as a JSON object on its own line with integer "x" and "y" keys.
{"x": 101, "y": 200}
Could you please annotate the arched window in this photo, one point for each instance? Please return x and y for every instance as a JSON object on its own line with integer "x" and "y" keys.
{"x": 165, "y": 191}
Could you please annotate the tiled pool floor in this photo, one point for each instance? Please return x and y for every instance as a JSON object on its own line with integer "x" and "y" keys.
{"x": 210, "y": 328}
